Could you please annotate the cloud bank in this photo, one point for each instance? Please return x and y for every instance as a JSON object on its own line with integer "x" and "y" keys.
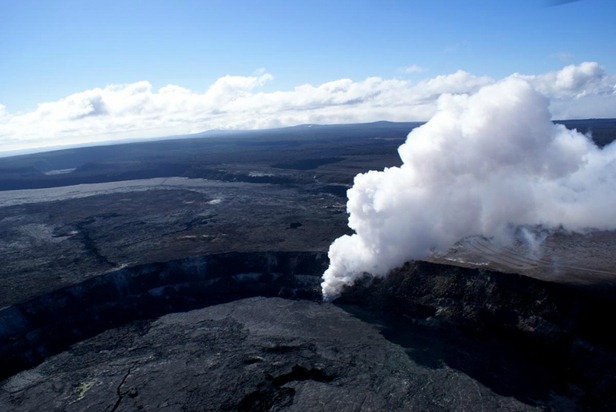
{"x": 484, "y": 164}
{"x": 137, "y": 110}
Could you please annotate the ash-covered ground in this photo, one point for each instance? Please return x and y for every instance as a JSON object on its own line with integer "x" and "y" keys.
{"x": 558, "y": 256}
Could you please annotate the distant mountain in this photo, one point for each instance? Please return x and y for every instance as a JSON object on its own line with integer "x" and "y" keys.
{"x": 303, "y": 146}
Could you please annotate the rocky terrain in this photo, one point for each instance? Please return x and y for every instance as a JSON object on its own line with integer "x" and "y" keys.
{"x": 253, "y": 354}
{"x": 190, "y": 281}
{"x": 72, "y": 214}
{"x": 48, "y": 244}
{"x": 32, "y": 330}
{"x": 428, "y": 336}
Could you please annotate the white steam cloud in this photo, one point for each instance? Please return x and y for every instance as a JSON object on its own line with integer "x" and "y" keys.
{"x": 485, "y": 164}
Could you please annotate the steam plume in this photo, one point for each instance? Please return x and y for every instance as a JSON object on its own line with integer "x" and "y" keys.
{"x": 485, "y": 164}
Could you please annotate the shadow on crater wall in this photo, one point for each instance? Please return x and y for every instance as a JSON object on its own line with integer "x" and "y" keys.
{"x": 35, "y": 329}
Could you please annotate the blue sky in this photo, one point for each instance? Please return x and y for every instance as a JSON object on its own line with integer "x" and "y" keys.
{"x": 52, "y": 50}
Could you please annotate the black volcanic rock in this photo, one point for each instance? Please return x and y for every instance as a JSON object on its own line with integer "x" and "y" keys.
{"x": 257, "y": 354}
{"x": 57, "y": 238}
{"x": 558, "y": 326}
{"x": 476, "y": 336}
{"x": 35, "y": 329}
{"x": 87, "y": 269}
{"x": 450, "y": 338}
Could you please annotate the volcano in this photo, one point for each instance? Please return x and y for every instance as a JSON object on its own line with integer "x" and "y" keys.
{"x": 190, "y": 279}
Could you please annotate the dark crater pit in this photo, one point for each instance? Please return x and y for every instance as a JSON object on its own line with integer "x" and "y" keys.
{"x": 529, "y": 344}
{"x": 33, "y": 330}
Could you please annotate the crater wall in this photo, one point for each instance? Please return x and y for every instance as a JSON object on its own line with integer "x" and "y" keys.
{"x": 33, "y": 330}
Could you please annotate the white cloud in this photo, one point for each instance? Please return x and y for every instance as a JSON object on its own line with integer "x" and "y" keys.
{"x": 459, "y": 82}
{"x": 136, "y": 110}
{"x": 562, "y": 56}
{"x": 572, "y": 81}
{"x": 414, "y": 68}
{"x": 229, "y": 88}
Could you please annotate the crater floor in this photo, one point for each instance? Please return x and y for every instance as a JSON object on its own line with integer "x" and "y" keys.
{"x": 252, "y": 354}
{"x": 52, "y": 238}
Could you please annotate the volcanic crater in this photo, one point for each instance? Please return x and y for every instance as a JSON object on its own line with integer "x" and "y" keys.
{"x": 194, "y": 284}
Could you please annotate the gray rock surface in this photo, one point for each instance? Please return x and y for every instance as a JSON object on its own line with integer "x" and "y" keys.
{"x": 121, "y": 245}
{"x": 47, "y": 244}
{"x": 527, "y": 335}
{"x": 48, "y": 324}
{"x": 251, "y": 354}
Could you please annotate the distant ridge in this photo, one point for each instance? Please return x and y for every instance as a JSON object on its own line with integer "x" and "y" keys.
{"x": 205, "y": 155}
{"x": 217, "y": 133}
{"x": 308, "y": 144}
{"x": 604, "y": 128}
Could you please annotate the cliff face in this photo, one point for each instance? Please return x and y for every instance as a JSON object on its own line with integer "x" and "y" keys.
{"x": 32, "y": 330}
{"x": 487, "y": 323}
{"x": 560, "y": 326}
